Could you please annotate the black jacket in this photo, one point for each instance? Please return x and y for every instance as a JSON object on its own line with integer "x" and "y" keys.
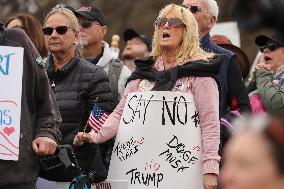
{"x": 39, "y": 113}
{"x": 77, "y": 87}
{"x": 230, "y": 77}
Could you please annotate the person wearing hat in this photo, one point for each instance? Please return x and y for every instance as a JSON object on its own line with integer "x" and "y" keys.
{"x": 137, "y": 46}
{"x": 268, "y": 78}
{"x": 92, "y": 47}
{"x": 232, "y": 85}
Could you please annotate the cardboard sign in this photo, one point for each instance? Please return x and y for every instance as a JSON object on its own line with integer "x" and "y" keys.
{"x": 230, "y": 30}
{"x": 158, "y": 144}
{"x": 11, "y": 71}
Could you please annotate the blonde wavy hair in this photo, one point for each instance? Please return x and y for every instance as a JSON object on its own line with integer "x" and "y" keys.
{"x": 190, "y": 49}
{"x": 61, "y": 9}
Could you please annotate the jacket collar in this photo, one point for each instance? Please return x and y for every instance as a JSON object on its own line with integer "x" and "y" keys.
{"x": 60, "y": 74}
{"x": 205, "y": 40}
{"x": 107, "y": 56}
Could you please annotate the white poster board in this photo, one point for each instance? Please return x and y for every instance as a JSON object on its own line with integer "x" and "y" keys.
{"x": 230, "y": 30}
{"x": 158, "y": 144}
{"x": 11, "y": 71}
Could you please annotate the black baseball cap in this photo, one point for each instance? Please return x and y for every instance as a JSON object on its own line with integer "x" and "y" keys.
{"x": 263, "y": 40}
{"x": 92, "y": 13}
{"x": 130, "y": 34}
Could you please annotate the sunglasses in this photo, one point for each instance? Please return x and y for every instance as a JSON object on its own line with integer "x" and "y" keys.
{"x": 60, "y": 30}
{"x": 87, "y": 23}
{"x": 270, "y": 47}
{"x": 194, "y": 8}
{"x": 172, "y": 22}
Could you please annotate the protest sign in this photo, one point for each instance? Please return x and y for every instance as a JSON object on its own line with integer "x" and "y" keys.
{"x": 158, "y": 144}
{"x": 11, "y": 71}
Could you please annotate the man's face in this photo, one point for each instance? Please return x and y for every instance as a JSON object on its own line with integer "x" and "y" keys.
{"x": 91, "y": 32}
{"x": 204, "y": 19}
{"x": 134, "y": 48}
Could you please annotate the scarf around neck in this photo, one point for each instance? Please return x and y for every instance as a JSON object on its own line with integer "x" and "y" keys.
{"x": 165, "y": 80}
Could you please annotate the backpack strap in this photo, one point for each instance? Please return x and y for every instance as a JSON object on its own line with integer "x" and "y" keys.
{"x": 113, "y": 74}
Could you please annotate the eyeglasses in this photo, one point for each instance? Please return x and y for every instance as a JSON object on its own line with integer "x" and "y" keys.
{"x": 270, "y": 47}
{"x": 172, "y": 22}
{"x": 87, "y": 23}
{"x": 59, "y": 29}
{"x": 194, "y": 8}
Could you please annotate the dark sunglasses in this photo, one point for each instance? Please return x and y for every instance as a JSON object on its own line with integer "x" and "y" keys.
{"x": 60, "y": 30}
{"x": 270, "y": 47}
{"x": 194, "y": 8}
{"x": 172, "y": 22}
{"x": 87, "y": 23}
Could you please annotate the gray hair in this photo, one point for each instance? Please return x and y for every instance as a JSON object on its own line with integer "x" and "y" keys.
{"x": 213, "y": 8}
{"x": 61, "y": 9}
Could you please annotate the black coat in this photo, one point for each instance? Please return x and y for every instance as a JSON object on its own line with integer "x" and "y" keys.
{"x": 77, "y": 87}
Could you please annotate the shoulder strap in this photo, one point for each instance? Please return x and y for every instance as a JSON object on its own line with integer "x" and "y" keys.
{"x": 113, "y": 74}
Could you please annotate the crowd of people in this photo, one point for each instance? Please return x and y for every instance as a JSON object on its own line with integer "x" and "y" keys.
{"x": 69, "y": 72}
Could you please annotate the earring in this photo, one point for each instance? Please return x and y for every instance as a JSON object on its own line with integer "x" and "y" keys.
{"x": 74, "y": 43}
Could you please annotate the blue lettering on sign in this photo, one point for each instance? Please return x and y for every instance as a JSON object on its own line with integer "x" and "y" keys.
{"x": 5, "y": 117}
{"x": 5, "y": 64}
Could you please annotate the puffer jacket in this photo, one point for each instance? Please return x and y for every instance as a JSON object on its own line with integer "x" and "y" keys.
{"x": 77, "y": 87}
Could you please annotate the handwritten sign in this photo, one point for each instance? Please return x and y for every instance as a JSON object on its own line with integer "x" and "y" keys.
{"x": 158, "y": 144}
{"x": 11, "y": 71}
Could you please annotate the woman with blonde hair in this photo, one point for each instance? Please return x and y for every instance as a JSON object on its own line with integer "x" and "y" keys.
{"x": 178, "y": 64}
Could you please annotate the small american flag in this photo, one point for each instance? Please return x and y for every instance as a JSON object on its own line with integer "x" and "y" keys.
{"x": 97, "y": 118}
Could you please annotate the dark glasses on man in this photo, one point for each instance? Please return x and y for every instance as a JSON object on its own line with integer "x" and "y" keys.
{"x": 270, "y": 47}
{"x": 172, "y": 22}
{"x": 87, "y": 23}
{"x": 194, "y": 8}
{"x": 60, "y": 30}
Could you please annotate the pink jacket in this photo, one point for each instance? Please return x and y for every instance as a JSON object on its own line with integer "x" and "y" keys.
{"x": 206, "y": 96}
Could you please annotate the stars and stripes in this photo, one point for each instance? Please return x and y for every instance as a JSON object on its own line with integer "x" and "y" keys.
{"x": 97, "y": 118}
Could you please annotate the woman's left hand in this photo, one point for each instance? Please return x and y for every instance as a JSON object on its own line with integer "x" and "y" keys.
{"x": 210, "y": 181}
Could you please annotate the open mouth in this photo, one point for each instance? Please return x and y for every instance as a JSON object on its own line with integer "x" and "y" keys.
{"x": 165, "y": 35}
{"x": 267, "y": 58}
